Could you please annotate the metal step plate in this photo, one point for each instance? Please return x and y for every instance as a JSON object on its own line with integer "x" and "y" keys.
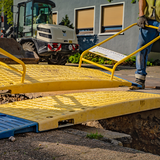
{"x": 10, "y": 125}
{"x": 107, "y": 53}
{"x": 69, "y": 109}
{"x": 41, "y": 78}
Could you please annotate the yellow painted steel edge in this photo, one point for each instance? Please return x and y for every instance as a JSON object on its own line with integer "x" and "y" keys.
{"x": 65, "y": 85}
{"x": 150, "y": 26}
{"x": 103, "y": 112}
{"x": 108, "y": 111}
{"x": 5, "y": 53}
{"x": 10, "y": 67}
{"x": 98, "y": 65}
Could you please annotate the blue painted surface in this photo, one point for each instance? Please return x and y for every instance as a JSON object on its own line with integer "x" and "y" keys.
{"x": 10, "y": 125}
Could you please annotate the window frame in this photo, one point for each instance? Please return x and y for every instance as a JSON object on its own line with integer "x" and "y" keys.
{"x": 101, "y": 14}
{"x": 25, "y": 4}
{"x": 75, "y": 20}
{"x": 18, "y": 25}
{"x": 57, "y": 16}
{"x": 30, "y": 15}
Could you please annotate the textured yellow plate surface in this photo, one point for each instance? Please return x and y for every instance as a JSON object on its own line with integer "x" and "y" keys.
{"x": 77, "y": 108}
{"x": 41, "y": 78}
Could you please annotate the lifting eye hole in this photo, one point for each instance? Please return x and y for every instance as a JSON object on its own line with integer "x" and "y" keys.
{"x": 65, "y": 123}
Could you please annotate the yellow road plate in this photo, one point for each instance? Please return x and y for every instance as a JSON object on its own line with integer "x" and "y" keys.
{"x": 42, "y": 78}
{"x": 51, "y": 112}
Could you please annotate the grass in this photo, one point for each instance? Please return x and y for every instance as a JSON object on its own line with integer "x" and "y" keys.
{"x": 94, "y": 136}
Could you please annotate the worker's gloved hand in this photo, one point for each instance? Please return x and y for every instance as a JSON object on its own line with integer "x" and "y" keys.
{"x": 158, "y": 29}
{"x": 142, "y": 21}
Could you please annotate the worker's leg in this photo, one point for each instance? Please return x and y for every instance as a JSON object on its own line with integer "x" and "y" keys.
{"x": 145, "y": 36}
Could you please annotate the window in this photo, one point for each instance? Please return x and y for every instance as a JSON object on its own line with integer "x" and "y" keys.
{"x": 54, "y": 18}
{"x": 28, "y": 16}
{"x": 21, "y": 21}
{"x": 111, "y": 18}
{"x": 27, "y": 29}
{"x": 42, "y": 13}
{"x": 85, "y": 21}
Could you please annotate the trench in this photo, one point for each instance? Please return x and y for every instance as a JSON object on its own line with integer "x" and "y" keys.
{"x": 144, "y": 128}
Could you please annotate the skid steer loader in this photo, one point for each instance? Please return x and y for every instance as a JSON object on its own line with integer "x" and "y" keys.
{"x": 38, "y": 36}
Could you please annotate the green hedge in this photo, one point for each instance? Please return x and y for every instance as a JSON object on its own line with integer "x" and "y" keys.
{"x": 101, "y": 60}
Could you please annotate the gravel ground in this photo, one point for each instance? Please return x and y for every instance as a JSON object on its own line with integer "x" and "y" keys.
{"x": 60, "y": 145}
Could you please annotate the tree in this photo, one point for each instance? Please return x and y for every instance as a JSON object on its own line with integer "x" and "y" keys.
{"x": 66, "y": 22}
{"x": 6, "y": 8}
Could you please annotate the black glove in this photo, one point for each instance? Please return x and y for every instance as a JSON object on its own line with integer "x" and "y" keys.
{"x": 158, "y": 29}
{"x": 142, "y": 21}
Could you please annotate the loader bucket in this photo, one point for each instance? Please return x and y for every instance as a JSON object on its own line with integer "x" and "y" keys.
{"x": 13, "y": 47}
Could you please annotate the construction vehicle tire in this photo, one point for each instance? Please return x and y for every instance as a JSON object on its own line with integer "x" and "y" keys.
{"x": 28, "y": 46}
{"x": 30, "y": 51}
{"x": 59, "y": 60}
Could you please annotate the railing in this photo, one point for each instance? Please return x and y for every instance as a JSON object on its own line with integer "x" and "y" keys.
{"x": 122, "y": 60}
{"x": 3, "y": 52}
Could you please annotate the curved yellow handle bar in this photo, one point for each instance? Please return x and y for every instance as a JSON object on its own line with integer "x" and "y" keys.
{"x": 3, "y": 52}
{"x": 119, "y": 62}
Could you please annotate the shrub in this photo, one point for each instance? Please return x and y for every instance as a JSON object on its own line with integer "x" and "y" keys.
{"x": 101, "y": 60}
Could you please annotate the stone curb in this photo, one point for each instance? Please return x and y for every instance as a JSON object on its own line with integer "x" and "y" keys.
{"x": 83, "y": 134}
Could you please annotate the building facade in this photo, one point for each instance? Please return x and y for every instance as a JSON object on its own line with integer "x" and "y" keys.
{"x": 97, "y": 20}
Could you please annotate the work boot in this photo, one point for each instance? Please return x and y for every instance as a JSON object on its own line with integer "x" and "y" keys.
{"x": 140, "y": 82}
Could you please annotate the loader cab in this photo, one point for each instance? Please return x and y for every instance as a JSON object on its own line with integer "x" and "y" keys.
{"x": 32, "y": 13}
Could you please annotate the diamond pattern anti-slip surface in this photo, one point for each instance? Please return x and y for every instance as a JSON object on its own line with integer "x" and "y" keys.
{"x": 50, "y": 112}
{"x": 41, "y": 78}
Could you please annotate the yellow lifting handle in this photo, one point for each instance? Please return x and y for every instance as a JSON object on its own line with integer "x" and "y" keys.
{"x": 119, "y": 62}
{"x": 5, "y": 53}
